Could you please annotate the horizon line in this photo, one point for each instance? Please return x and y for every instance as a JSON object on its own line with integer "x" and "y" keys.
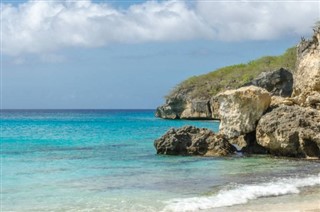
{"x": 77, "y": 109}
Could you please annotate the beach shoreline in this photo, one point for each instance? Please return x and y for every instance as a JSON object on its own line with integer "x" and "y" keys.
{"x": 306, "y": 201}
{"x": 305, "y": 206}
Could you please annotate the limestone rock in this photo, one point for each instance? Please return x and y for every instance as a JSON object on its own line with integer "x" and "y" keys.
{"x": 171, "y": 109}
{"x": 307, "y": 74}
{"x": 190, "y": 140}
{"x": 166, "y": 112}
{"x": 181, "y": 108}
{"x": 240, "y": 109}
{"x": 196, "y": 109}
{"x": 214, "y": 106}
{"x": 278, "y": 82}
{"x": 278, "y": 100}
{"x": 313, "y": 100}
{"x": 247, "y": 144}
{"x": 290, "y": 131}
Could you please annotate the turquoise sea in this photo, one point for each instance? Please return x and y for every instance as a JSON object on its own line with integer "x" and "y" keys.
{"x": 104, "y": 160}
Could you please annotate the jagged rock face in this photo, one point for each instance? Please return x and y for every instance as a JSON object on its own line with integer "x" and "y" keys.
{"x": 307, "y": 74}
{"x": 241, "y": 109}
{"x": 193, "y": 141}
{"x": 184, "y": 109}
{"x": 214, "y": 107}
{"x": 247, "y": 144}
{"x": 278, "y": 82}
{"x": 166, "y": 112}
{"x": 172, "y": 109}
{"x": 290, "y": 131}
{"x": 196, "y": 109}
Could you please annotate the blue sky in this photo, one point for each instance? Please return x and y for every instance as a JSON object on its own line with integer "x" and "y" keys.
{"x": 130, "y": 54}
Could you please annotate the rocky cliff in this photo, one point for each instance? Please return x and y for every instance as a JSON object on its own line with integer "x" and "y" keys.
{"x": 195, "y": 97}
{"x": 265, "y": 120}
{"x": 278, "y": 82}
{"x": 185, "y": 108}
{"x": 306, "y": 85}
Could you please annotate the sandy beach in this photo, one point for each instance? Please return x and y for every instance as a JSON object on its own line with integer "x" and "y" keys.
{"x": 308, "y": 206}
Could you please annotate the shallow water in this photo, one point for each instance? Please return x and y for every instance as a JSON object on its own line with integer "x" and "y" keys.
{"x": 105, "y": 161}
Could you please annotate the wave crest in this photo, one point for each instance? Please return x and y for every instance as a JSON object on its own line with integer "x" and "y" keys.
{"x": 242, "y": 194}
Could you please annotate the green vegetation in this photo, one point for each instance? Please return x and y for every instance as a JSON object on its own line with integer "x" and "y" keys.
{"x": 230, "y": 77}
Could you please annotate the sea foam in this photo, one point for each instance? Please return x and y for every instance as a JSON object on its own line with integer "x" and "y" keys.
{"x": 241, "y": 194}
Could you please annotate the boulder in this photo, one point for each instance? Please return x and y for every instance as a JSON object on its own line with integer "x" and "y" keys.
{"x": 290, "y": 131}
{"x": 190, "y": 140}
{"x": 240, "y": 109}
{"x": 307, "y": 74}
{"x": 278, "y": 82}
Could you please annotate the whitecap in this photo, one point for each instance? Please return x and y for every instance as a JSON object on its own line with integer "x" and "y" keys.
{"x": 241, "y": 194}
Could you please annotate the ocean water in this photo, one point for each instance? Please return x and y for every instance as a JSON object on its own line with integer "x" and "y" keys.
{"x": 104, "y": 160}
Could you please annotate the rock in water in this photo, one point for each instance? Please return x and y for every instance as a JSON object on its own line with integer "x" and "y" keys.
{"x": 240, "y": 110}
{"x": 307, "y": 74}
{"x": 278, "y": 82}
{"x": 290, "y": 131}
{"x": 190, "y": 140}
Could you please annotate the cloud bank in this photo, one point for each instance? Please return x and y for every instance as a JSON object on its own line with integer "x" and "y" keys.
{"x": 46, "y": 26}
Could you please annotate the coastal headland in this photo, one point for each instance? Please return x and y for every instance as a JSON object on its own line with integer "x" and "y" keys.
{"x": 268, "y": 106}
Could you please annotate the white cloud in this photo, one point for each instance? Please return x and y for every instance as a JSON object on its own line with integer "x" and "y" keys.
{"x": 259, "y": 20}
{"x": 42, "y": 27}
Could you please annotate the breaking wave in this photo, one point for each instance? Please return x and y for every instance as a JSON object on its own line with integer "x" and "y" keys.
{"x": 241, "y": 194}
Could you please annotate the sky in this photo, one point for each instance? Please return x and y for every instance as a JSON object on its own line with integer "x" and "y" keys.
{"x": 129, "y": 54}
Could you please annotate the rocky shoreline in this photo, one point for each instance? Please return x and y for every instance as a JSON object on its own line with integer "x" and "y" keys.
{"x": 277, "y": 113}
{"x": 278, "y": 82}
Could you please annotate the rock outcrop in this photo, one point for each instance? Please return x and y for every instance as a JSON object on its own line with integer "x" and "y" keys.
{"x": 241, "y": 109}
{"x": 214, "y": 107}
{"x": 196, "y": 109}
{"x": 261, "y": 117}
{"x": 190, "y": 140}
{"x": 290, "y": 131}
{"x": 278, "y": 82}
{"x": 184, "y": 109}
{"x": 171, "y": 109}
{"x": 307, "y": 75}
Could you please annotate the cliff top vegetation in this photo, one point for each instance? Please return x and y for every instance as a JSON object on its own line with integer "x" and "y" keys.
{"x": 230, "y": 77}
